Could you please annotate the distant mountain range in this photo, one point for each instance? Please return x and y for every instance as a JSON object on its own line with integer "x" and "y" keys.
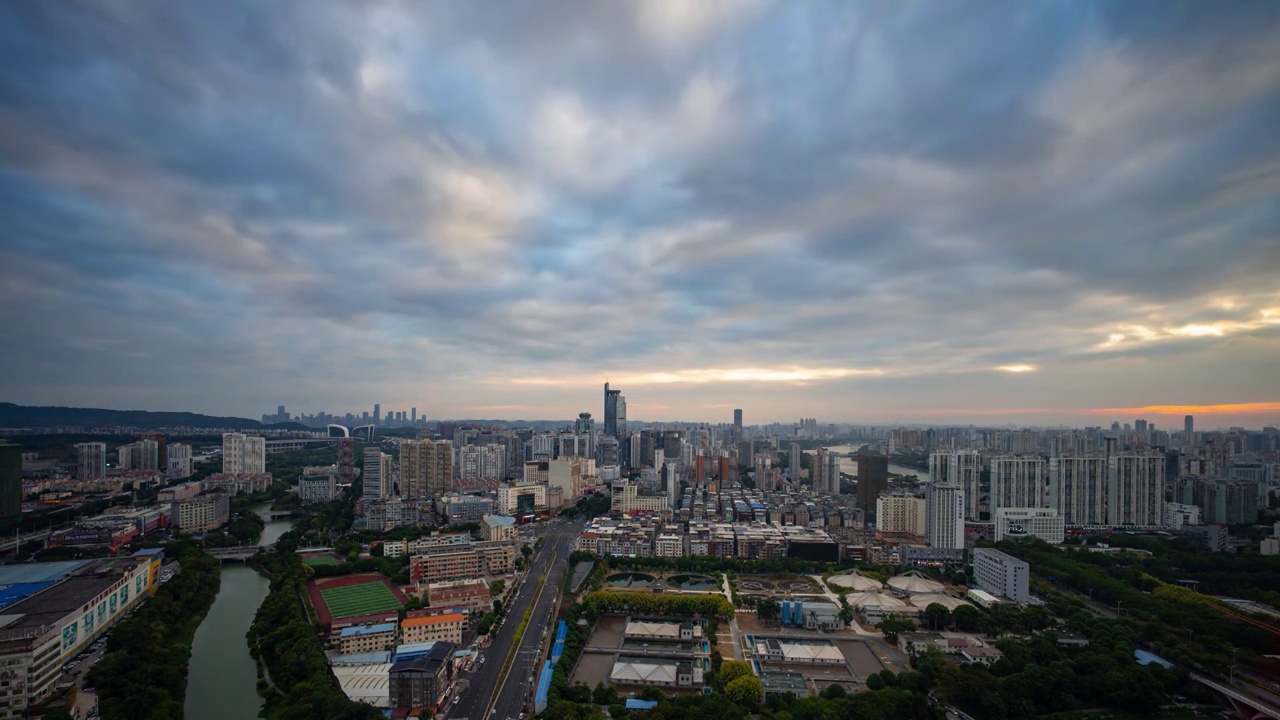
{"x": 25, "y": 416}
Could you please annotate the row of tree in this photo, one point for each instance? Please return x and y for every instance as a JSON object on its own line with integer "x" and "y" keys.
{"x": 707, "y": 606}
{"x": 143, "y": 675}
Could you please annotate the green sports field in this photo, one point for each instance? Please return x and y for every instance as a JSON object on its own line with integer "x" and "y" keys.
{"x": 363, "y": 599}
{"x": 321, "y": 560}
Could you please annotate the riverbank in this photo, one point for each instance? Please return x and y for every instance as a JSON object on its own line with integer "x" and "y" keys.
{"x": 144, "y": 672}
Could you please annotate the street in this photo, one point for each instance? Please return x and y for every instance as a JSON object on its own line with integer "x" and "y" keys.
{"x": 484, "y": 698}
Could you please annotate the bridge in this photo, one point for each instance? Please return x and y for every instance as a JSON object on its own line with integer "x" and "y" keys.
{"x": 1246, "y": 706}
{"x": 14, "y": 542}
{"x": 239, "y": 553}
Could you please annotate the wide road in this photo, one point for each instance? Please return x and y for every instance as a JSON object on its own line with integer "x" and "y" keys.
{"x": 516, "y": 691}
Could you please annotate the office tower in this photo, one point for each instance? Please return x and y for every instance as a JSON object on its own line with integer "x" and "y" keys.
{"x": 1189, "y": 428}
{"x": 615, "y": 412}
{"x": 585, "y": 429}
{"x": 635, "y": 448}
{"x": 377, "y": 475}
{"x": 243, "y": 454}
{"x": 959, "y": 467}
{"x": 672, "y": 473}
{"x": 737, "y": 424}
{"x": 873, "y": 480}
{"x": 1078, "y": 488}
{"x": 566, "y": 473}
{"x": 944, "y": 509}
{"x": 377, "y": 413}
{"x": 10, "y": 484}
{"x": 93, "y": 460}
{"x": 162, "y": 454}
{"x": 793, "y": 457}
{"x": 281, "y": 416}
{"x": 1017, "y": 481}
{"x": 413, "y": 415}
{"x": 346, "y": 461}
{"x": 1135, "y": 489}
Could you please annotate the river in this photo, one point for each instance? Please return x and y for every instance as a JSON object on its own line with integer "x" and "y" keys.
{"x": 850, "y": 466}
{"x": 222, "y": 682}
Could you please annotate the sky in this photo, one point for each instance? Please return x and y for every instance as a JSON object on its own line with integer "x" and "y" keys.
{"x": 1004, "y": 211}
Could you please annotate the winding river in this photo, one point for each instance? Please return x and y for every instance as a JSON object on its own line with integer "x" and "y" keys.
{"x": 222, "y": 682}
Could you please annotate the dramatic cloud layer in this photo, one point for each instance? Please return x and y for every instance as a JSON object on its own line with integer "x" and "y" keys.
{"x": 856, "y": 211}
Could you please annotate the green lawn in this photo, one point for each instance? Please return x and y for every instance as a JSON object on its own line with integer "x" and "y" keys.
{"x": 363, "y": 599}
{"x": 321, "y": 560}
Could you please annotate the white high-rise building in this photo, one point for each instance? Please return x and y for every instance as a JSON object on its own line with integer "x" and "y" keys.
{"x": 1017, "y": 481}
{"x": 962, "y": 468}
{"x": 944, "y": 507}
{"x": 1135, "y": 489}
{"x": 901, "y": 515}
{"x": 179, "y": 461}
{"x": 566, "y": 473}
{"x": 93, "y": 460}
{"x": 1078, "y": 489}
{"x": 672, "y": 472}
{"x": 243, "y": 454}
{"x": 377, "y": 481}
{"x": 468, "y": 462}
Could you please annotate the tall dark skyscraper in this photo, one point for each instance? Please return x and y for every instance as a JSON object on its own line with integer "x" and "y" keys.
{"x": 737, "y": 422}
{"x": 615, "y": 412}
{"x": 1189, "y": 427}
{"x": 377, "y": 413}
{"x": 873, "y": 480}
{"x": 10, "y": 484}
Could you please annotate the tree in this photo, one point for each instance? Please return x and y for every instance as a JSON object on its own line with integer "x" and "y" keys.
{"x": 937, "y": 616}
{"x": 833, "y": 691}
{"x": 526, "y": 551}
{"x": 604, "y": 694}
{"x": 651, "y": 693}
{"x": 731, "y": 670}
{"x": 768, "y": 609}
{"x": 874, "y": 682}
{"x": 889, "y": 678}
{"x": 893, "y": 625}
{"x": 745, "y": 691}
{"x": 966, "y": 617}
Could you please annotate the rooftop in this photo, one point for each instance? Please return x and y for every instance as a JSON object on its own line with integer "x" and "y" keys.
{"x": 368, "y": 629}
{"x": 420, "y": 621}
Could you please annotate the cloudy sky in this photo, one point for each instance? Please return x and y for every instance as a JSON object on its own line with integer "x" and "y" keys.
{"x": 1030, "y": 212}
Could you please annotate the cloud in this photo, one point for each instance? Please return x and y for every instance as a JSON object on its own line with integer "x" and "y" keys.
{"x": 846, "y": 210}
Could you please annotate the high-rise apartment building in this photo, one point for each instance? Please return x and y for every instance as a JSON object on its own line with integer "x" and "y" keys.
{"x": 426, "y": 467}
{"x": 826, "y": 472}
{"x": 962, "y": 468}
{"x": 584, "y": 428}
{"x": 377, "y": 480}
{"x": 1135, "y": 489}
{"x": 945, "y": 507}
{"x": 566, "y": 473}
{"x": 902, "y": 515}
{"x": 873, "y": 480}
{"x": 243, "y": 454}
{"x": 141, "y": 455}
{"x": 1017, "y": 481}
{"x": 793, "y": 456}
{"x": 162, "y": 450}
{"x": 92, "y": 458}
{"x": 10, "y": 484}
{"x": 1078, "y": 488}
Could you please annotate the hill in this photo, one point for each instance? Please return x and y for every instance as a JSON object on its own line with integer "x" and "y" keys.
{"x": 25, "y": 416}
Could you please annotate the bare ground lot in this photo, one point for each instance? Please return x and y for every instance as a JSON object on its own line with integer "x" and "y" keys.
{"x": 860, "y": 657}
{"x": 607, "y": 632}
{"x": 593, "y": 668}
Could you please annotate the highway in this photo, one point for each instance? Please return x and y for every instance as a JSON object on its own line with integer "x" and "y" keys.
{"x": 483, "y": 698}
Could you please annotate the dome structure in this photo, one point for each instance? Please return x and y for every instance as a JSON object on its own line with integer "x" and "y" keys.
{"x": 855, "y": 582}
{"x": 885, "y": 601}
{"x": 924, "y": 601}
{"x": 913, "y": 583}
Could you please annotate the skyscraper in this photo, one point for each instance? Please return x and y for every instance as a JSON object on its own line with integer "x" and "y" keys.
{"x": 615, "y": 412}
{"x": 1189, "y": 428}
{"x": 413, "y": 415}
{"x": 944, "y": 510}
{"x": 1135, "y": 489}
{"x": 585, "y": 429}
{"x": 737, "y": 424}
{"x": 793, "y": 457}
{"x": 377, "y": 413}
{"x": 962, "y": 468}
{"x": 873, "y": 480}
{"x": 92, "y": 460}
{"x": 10, "y": 484}
{"x": 1017, "y": 481}
{"x": 426, "y": 467}
{"x": 826, "y": 472}
{"x": 1078, "y": 488}
{"x": 376, "y": 479}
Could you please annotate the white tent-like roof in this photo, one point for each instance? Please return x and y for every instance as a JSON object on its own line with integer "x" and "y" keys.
{"x": 885, "y": 601}
{"x": 914, "y": 582}
{"x": 856, "y": 582}
{"x": 636, "y": 671}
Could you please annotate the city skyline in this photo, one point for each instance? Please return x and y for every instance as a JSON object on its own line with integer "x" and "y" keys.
{"x": 863, "y": 213}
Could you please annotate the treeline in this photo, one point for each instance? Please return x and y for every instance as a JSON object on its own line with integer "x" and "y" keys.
{"x": 708, "y": 606}
{"x": 143, "y": 675}
{"x": 288, "y": 646}
{"x": 713, "y": 565}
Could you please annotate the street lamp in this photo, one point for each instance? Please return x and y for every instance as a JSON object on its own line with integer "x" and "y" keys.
{"x": 1231, "y": 675}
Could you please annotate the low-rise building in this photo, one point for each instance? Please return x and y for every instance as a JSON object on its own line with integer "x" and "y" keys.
{"x": 318, "y": 485}
{"x": 498, "y": 527}
{"x": 471, "y": 595}
{"x": 656, "y": 672}
{"x": 202, "y": 513}
{"x": 182, "y": 491}
{"x": 428, "y": 628}
{"x": 422, "y": 681}
{"x": 366, "y": 638}
{"x": 460, "y": 564}
{"x": 1001, "y": 574}
{"x": 1043, "y": 523}
{"x": 234, "y": 483}
{"x": 463, "y": 508}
